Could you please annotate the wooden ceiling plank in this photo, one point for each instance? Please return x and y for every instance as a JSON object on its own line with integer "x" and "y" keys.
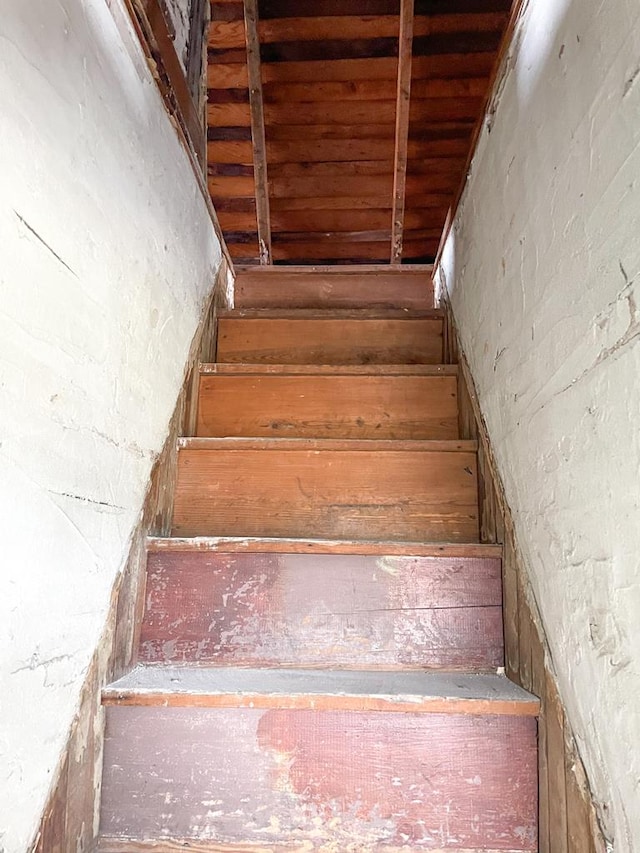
{"x": 313, "y": 8}
{"x": 226, "y": 34}
{"x": 230, "y": 151}
{"x": 375, "y": 68}
{"x": 321, "y": 237}
{"x": 257, "y": 130}
{"x": 312, "y": 251}
{"x": 333, "y": 203}
{"x": 229, "y": 115}
{"x": 332, "y": 220}
{"x": 333, "y": 170}
{"x": 341, "y": 185}
{"x": 372, "y": 90}
{"x": 234, "y": 187}
{"x": 345, "y": 113}
{"x": 230, "y": 76}
{"x": 405, "y": 49}
{"x": 474, "y": 22}
{"x": 324, "y": 28}
{"x": 332, "y": 150}
{"x": 316, "y": 132}
{"x": 333, "y": 90}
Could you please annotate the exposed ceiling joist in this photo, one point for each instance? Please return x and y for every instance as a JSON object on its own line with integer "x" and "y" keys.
{"x": 256, "y": 106}
{"x": 403, "y": 103}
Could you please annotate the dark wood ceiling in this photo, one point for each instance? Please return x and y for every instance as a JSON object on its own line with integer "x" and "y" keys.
{"x": 319, "y": 151}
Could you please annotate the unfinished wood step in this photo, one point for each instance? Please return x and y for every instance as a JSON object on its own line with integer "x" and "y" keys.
{"x": 331, "y": 338}
{"x": 273, "y": 609}
{"x": 328, "y": 406}
{"x": 334, "y": 287}
{"x": 411, "y": 490}
{"x": 299, "y": 545}
{"x": 334, "y": 760}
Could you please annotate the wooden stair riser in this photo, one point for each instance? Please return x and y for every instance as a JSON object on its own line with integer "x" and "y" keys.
{"x": 402, "y": 407}
{"x": 330, "y": 340}
{"x": 355, "y": 780}
{"x": 324, "y": 610}
{"x": 333, "y": 288}
{"x": 351, "y": 494}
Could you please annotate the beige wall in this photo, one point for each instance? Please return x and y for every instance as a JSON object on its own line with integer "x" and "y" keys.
{"x": 107, "y": 254}
{"x": 543, "y": 271}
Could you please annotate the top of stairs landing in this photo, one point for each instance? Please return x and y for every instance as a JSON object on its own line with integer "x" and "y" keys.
{"x": 326, "y": 287}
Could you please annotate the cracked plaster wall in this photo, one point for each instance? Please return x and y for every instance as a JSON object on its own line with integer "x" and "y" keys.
{"x": 543, "y": 271}
{"x": 107, "y": 254}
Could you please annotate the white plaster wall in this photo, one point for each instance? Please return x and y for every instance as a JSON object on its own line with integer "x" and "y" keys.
{"x": 106, "y": 256}
{"x": 543, "y": 269}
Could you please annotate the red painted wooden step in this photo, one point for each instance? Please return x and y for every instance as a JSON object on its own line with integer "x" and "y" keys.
{"x": 271, "y": 609}
{"x": 332, "y": 760}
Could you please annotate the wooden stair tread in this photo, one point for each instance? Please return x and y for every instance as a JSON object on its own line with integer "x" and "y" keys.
{"x": 217, "y": 368}
{"x": 301, "y": 545}
{"x": 339, "y": 689}
{"x": 329, "y": 444}
{"x": 304, "y": 314}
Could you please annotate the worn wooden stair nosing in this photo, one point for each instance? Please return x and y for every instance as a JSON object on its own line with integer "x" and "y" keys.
{"x": 340, "y": 690}
{"x": 303, "y": 314}
{"x": 220, "y": 368}
{"x": 351, "y": 445}
{"x": 302, "y": 545}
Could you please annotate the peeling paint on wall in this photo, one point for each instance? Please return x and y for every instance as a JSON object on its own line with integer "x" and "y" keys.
{"x": 179, "y": 16}
{"x": 543, "y": 270}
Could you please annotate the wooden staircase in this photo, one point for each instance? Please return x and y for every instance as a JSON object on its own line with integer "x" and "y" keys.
{"x": 319, "y": 661}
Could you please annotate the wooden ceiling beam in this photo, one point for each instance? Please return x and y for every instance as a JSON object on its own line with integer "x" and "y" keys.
{"x": 257, "y": 130}
{"x": 405, "y": 50}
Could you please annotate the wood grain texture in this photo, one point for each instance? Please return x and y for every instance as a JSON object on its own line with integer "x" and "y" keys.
{"x": 380, "y": 548}
{"x": 366, "y": 494}
{"x": 335, "y": 289}
{"x": 330, "y": 341}
{"x": 256, "y": 103}
{"x": 290, "y": 406}
{"x": 114, "y": 845}
{"x": 403, "y": 104}
{"x": 238, "y": 775}
{"x": 306, "y": 610}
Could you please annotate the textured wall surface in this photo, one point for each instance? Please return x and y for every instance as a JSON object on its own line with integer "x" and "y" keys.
{"x": 107, "y": 254}
{"x": 543, "y": 271}
{"x": 179, "y": 12}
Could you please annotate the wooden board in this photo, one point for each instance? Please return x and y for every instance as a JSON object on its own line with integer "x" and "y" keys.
{"x": 267, "y": 490}
{"x": 338, "y": 288}
{"x": 330, "y": 341}
{"x": 352, "y": 780}
{"x": 306, "y": 610}
{"x": 380, "y": 548}
{"x": 299, "y": 406}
